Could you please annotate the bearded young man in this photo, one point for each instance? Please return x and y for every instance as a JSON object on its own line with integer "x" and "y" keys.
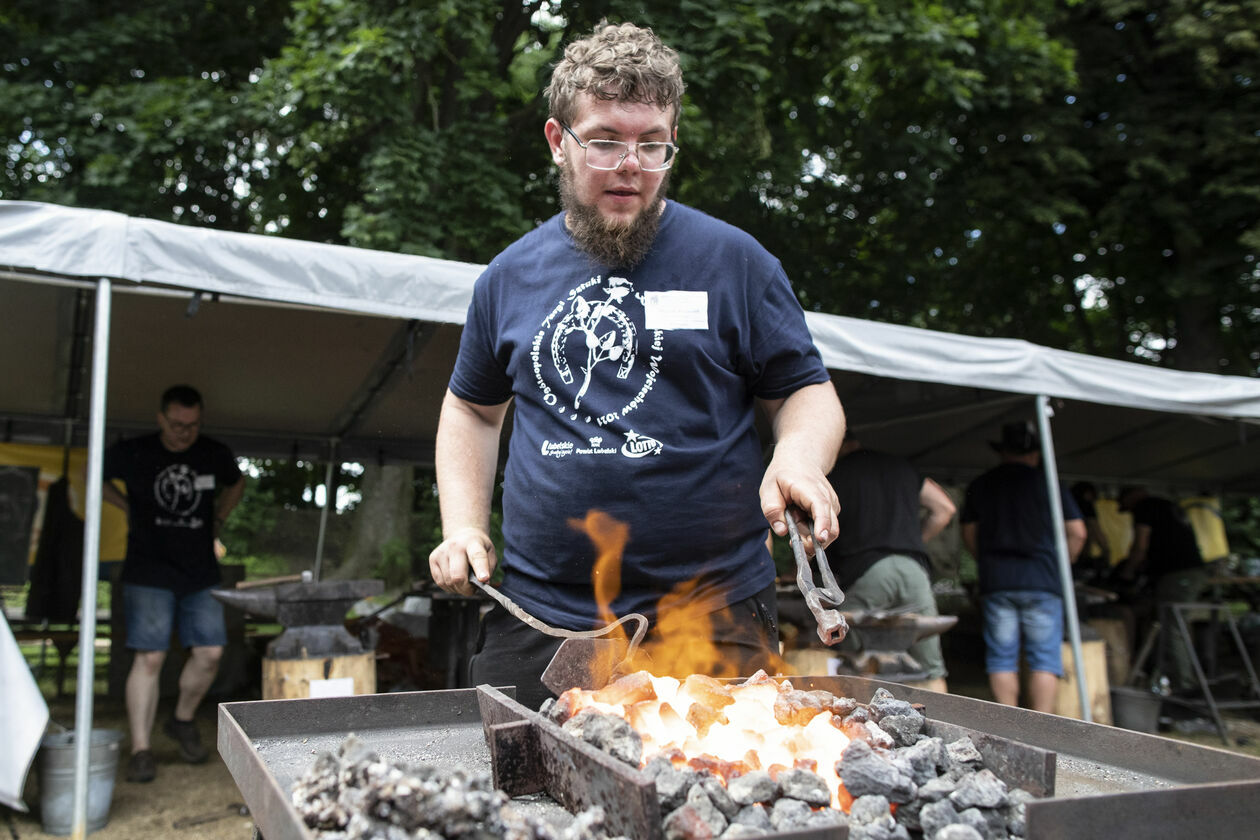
{"x": 636, "y": 336}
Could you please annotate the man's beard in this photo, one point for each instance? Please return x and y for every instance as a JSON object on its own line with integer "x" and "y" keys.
{"x": 614, "y": 244}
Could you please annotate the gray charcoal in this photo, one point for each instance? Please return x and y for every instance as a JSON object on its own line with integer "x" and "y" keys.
{"x": 936, "y": 815}
{"x": 719, "y": 796}
{"x": 925, "y": 757}
{"x": 825, "y": 818}
{"x": 863, "y": 772}
{"x": 908, "y": 813}
{"x": 838, "y": 706}
{"x": 656, "y": 764}
{"x": 904, "y": 729}
{"x": 937, "y": 789}
{"x": 980, "y": 790}
{"x": 963, "y": 752}
{"x": 672, "y": 785}
{"x": 789, "y": 815}
{"x": 879, "y": 830}
{"x": 956, "y": 831}
{"x": 753, "y": 816}
{"x": 883, "y": 704}
{"x": 869, "y": 808}
{"x": 977, "y": 820}
{"x": 756, "y": 786}
{"x": 796, "y": 708}
{"x": 859, "y": 715}
{"x": 877, "y": 737}
{"x": 804, "y": 785}
{"x": 735, "y": 831}
{"x": 1016, "y": 811}
{"x": 615, "y": 736}
{"x": 697, "y": 819}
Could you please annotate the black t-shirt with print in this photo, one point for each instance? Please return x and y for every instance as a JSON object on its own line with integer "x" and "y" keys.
{"x": 170, "y": 495}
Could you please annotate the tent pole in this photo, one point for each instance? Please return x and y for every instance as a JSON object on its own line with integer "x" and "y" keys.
{"x": 1044, "y": 413}
{"x": 91, "y": 560}
{"x": 330, "y": 498}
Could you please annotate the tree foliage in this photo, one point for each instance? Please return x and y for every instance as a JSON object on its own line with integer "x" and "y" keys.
{"x": 1080, "y": 175}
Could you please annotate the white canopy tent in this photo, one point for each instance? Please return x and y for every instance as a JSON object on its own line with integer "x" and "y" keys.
{"x": 327, "y": 352}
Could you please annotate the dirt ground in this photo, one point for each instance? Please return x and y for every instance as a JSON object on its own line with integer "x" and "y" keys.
{"x": 153, "y": 811}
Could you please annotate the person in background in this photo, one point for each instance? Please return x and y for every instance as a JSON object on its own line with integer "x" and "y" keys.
{"x": 1096, "y": 550}
{"x": 180, "y": 487}
{"x": 1008, "y": 527}
{"x": 635, "y": 336}
{"x": 887, "y": 513}
{"x": 1166, "y": 552}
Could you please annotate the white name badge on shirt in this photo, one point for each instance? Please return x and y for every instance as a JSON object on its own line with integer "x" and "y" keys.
{"x": 676, "y": 310}
{"x": 204, "y": 482}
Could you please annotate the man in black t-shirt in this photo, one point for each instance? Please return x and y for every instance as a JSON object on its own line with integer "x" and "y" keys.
{"x": 180, "y": 487}
{"x": 1165, "y": 551}
{"x": 878, "y": 556}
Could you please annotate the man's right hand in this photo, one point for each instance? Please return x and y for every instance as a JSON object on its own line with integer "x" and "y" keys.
{"x": 467, "y": 548}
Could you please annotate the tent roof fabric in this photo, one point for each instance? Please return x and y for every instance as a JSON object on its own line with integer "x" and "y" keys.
{"x": 297, "y": 344}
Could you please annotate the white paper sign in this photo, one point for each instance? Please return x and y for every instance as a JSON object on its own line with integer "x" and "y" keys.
{"x": 336, "y": 687}
{"x": 676, "y": 310}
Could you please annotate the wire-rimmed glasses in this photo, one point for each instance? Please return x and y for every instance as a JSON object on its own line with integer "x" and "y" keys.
{"x": 607, "y": 155}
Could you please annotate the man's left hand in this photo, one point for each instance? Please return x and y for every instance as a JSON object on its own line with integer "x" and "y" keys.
{"x": 806, "y": 489}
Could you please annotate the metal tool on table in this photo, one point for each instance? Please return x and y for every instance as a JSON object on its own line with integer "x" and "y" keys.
{"x": 584, "y": 659}
{"x": 832, "y": 627}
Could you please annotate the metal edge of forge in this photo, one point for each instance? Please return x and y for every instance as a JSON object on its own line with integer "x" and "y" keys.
{"x": 1112, "y": 782}
{"x": 1174, "y": 788}
{"x": 265, "y": 742}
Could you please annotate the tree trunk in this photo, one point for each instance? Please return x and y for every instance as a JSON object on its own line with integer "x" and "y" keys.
{"x": 1199, "y": 345}
{"x": 382, "y": 517}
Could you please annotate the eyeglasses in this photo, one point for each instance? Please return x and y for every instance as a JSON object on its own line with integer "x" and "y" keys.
{"x": 180, "y": 428}
{"x": 607, "y": 155}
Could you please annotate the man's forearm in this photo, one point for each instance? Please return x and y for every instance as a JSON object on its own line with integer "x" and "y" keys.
{"x": 466, "y": 462}
{"x": 809, "y": 426}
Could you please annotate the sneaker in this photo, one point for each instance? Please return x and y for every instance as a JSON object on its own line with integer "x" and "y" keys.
{"x": 185, "y": 733}
{"x": 141, "y": 767}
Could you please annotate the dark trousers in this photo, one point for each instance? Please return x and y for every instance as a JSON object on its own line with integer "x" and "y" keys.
{"x": 510, "y": 652}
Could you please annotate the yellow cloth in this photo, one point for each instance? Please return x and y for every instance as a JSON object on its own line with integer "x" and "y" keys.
{"x": 48, "y": 459}
{"x": 1209, "y": 527}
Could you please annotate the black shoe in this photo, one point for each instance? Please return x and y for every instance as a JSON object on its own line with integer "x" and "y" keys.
{"x": 141, "y": 767}
{"x": 185, "y": 733}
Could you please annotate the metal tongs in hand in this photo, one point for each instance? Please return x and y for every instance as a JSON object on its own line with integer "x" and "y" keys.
{"x": 831, "y": 624}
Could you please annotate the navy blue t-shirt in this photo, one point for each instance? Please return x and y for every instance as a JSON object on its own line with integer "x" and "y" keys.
{"x": 170, "y": 501}
{"x": 880, "y": 513}
{"x": 634, "y": 398}
{"x": 1015, "y": 534}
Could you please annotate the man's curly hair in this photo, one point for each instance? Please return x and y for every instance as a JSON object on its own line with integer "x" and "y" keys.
{"x": 625, "y": 63}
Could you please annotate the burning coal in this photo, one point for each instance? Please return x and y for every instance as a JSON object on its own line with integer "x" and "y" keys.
{"x": 762, "y": 757}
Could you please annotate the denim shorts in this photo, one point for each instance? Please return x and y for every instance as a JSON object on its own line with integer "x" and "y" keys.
{"x": 1036, "y": 618}
{"x": 151, "y": 613}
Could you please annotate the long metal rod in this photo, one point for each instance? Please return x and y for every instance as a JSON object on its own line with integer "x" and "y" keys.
{"x": 330, "y": 499}
{"x": 1051, "y": 472}
{"x": 91, "y": 561}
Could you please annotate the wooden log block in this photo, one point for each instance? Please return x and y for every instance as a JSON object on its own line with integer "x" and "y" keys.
{"x": 289, "y": 679}
{"x": 1098, "y": 688}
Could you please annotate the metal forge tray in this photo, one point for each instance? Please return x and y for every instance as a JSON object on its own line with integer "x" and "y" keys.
{"x": 1109, "y": 782}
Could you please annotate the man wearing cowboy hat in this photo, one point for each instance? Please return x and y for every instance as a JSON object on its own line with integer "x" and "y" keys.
{"x": 1007, "y": 526}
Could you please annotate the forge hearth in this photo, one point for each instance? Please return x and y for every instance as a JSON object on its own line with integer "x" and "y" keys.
{"x": 1108, "y": 782}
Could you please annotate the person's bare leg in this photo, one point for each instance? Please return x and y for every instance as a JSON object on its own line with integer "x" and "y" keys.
{"x": 195, "y": 679}
{"x": 1005, "y": 687}
{"x": 1043, "y": 691}
{"x": 142, "y": 695}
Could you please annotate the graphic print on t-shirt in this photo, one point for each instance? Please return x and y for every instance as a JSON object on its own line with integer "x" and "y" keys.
{"x": 589, "y": 337}
{"x": 177, "y": 490}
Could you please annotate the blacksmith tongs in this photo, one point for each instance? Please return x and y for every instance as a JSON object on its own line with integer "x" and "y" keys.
{"x": 831, "y": 624}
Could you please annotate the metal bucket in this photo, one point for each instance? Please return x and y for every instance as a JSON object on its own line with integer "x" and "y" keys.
{"x": 1135, "y": 708}
{"x": 56, "y": 779}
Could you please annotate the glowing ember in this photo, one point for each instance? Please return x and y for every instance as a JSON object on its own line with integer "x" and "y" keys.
{"x": 730, "y": 730}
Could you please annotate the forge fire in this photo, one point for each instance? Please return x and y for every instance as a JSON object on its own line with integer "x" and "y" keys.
{"x": 760, "y": 756}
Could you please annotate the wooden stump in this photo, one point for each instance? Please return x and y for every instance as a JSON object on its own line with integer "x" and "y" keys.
{"x": 289, "y": 679}
{"x": 1098, "y": 688}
